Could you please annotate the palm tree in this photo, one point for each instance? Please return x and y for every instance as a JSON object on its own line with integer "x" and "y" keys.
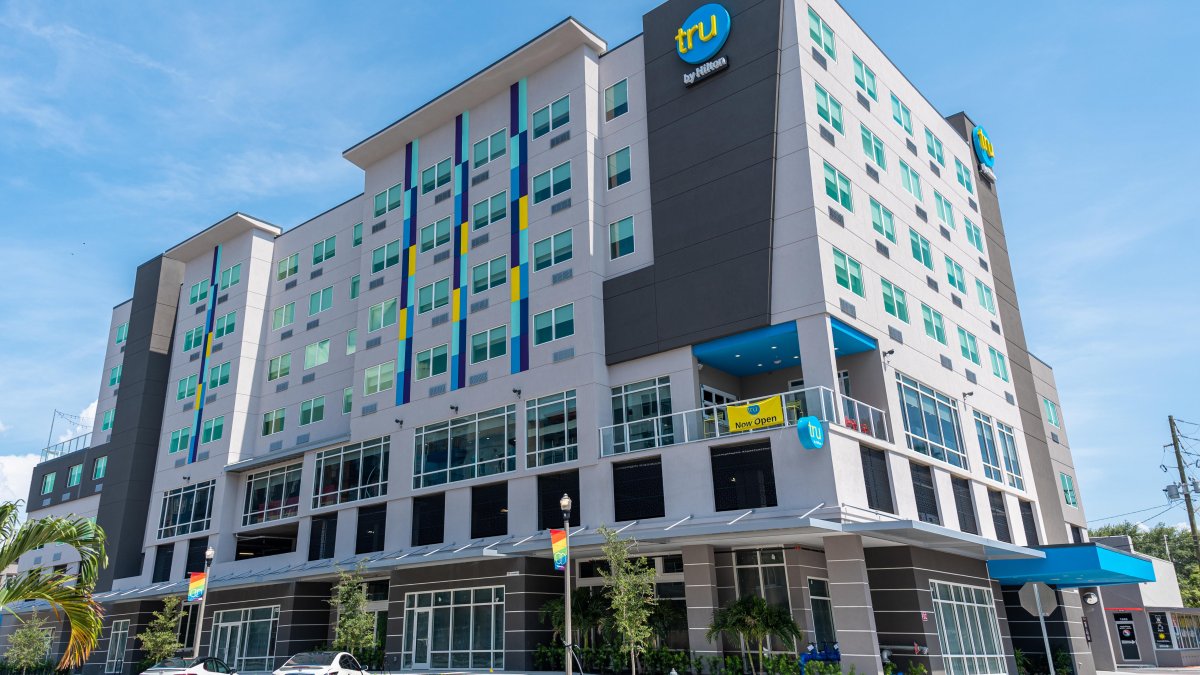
{"x": 66, "y": 594}
{"x": 754, "y": 620}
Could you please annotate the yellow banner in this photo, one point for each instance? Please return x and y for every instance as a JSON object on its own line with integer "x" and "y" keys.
{"x": 761, "y": 414}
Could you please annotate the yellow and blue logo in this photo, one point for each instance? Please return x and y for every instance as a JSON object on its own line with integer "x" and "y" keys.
{"x": 703, "y": 33}
{"x": 983, "y": 147}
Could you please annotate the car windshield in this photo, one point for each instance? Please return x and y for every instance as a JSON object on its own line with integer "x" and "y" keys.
{"x": 173, "y": 663}
{"x": 311, "y": 659}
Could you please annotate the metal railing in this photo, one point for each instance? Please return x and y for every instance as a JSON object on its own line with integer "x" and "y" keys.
{"x": 865, "y": 419}
{"x": 67, "y": 447}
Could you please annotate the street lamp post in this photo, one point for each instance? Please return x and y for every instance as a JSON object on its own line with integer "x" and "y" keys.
{"x": 565, "y": 505}
{"x": 209, "y": 553}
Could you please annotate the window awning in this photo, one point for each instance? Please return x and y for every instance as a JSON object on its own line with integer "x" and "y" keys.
{"x": 1073, "y": 566}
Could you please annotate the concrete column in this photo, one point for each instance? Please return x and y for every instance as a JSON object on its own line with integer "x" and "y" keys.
{"x": 700, "y": 594}
{"x": 1102, "y": 644}
{"x": 817, "y": 357}
{"x": 853, "y": 612}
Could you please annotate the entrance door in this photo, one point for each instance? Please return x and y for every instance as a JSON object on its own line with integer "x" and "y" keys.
{"x": 226, "y": 643}
{"x": 713, "y": 401}
{"x": 421, "y": 640}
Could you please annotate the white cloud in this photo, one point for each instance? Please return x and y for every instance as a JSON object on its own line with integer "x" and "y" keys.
{"x": 87, "y": 415}
{"x": 3, "y": 427}
{"x": 15, "y": 473}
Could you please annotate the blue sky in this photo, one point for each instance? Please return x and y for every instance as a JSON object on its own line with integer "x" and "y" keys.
{"x": 125, "y": 128}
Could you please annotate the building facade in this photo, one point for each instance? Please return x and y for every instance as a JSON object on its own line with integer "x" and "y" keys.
{"x": 648, "y": 276}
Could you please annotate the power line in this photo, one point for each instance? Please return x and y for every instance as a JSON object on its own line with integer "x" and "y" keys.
{"x": 1158, "y": 514}
{"x": 1149, "y": 508}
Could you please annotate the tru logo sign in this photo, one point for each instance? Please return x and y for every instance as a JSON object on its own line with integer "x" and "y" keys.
{"x": 700, "y": 38}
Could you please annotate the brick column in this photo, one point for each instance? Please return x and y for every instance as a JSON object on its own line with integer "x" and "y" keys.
{"x": 700, "y": 593}
{"x": 853, "y": 614}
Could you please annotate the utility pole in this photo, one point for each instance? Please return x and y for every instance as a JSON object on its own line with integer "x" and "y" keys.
{"x": 1183, "y": 479}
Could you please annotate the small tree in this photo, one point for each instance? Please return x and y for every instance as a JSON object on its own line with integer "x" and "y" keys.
{"x": 630, "y": 585}
{"x": 754, "y": 620}
{"x": 160, "y": 639}
{"x": 29, "y": 644}
{"x": 355, "y": 630}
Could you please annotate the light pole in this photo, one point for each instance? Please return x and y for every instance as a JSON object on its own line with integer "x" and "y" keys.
{"x": 209, "y": 553}
{"x": 565, "y": 505}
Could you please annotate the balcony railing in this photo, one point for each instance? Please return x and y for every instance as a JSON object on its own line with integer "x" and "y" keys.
{"x": 712, "y": 422}
{"x": 66, "y": 447}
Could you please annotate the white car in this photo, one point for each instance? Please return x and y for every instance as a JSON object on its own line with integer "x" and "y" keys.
{"x": 321, "y": 663}
{"x": 205, "y": 665}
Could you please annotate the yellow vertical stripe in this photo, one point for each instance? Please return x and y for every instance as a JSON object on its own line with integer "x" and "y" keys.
{"x": 454, "y": 305}
{"x": 466, "y": 233}
{"x": 514, "y": 283}
{"x": 523, "y": 212}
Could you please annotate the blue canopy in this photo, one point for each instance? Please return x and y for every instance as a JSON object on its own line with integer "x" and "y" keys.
{"x": 1074, "y": 565}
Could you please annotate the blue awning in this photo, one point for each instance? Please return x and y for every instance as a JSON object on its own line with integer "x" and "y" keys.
{"x": 1075, "y": 565}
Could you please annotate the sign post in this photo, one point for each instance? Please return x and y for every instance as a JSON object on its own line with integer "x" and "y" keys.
{"x": 1038, "y": 598}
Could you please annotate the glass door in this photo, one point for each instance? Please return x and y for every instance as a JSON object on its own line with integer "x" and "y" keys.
{"x": 421, "y": 639}
{"x": 226, "y": 643}
{"x": 716, "y": 422}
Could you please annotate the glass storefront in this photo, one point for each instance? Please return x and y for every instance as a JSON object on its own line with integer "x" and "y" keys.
{"x": 461, "y": 628}
{"x": 967, "y": 629}
{"x": 245, "y": 638}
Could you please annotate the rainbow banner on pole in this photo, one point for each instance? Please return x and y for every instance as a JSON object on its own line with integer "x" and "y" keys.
{"x": 558, "y": 544}
{"x": 197, "y": 583}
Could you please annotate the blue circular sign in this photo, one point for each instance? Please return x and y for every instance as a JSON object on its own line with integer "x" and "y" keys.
{"x": 811, "y": 433}
{"x": 703, "y": 33}
{"x": 983, "y": 147}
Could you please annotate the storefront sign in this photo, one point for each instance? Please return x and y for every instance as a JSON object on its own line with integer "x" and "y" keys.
{"x": 699, "y": 40}
{"x": 985, "y": 152}
{"x": 812, "y": 434}
{"x": 761, "y": 414}
{"x": 197, "y": 584}
{"x": 1162, "y": 632}
{"x": 558, "y": 546}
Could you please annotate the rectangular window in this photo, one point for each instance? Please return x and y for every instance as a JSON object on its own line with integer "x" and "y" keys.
{"x": 1068, "y": 489}
{"x": 945, "y": 211}
{"x": 395, "y": 197}
{"x": 911, "y": 181}
{"x": 218, "y": 375}
{"x": 224, "y": 325}
{"x": 551, "y": 434}
{"x": 381, "y": 315}
{"x": 934, "y": 326}
{"x": 743, "y": 477}
{"x": 312, "y": 411}
{"x": 927, "y": 505}
{"x": 320, "y": 301}
{"x": 883, "y": 221}
{"x": 554, "y": 324}
{"x": 187, "y": 387}
{"x": 955, "y": 275}
{"x": 371, "y": 523}
{"x": 193, "y": 338}
{"x": 822, "y": 609}
{"x": 821, "y": 34}
{"x": 381, "y": 203}
{"x": 287, "y": 267}
{"x": 356, "y": 235}
{"x": 379, "y": 378}
{"x": 931, "y": 423}
{"x": 355, "y": 285}
{"x": 1029, "y": 522}
{"x": 99, "y": 467}
{"x": 347, "y": 400}
{"x": 974, "y": 234}
{"x": 435, "y": 176}
{"x": 114, "y": 375}
{"x": 641, "y": 412}
{"x": 324, "y": 250}
{"x": 118, "y": 636}
{"x": 1052, "y": 413}
{"x": 902, "y": 115}
{"x": 616, "y": 100}
{"x": 122, "y": 333}
{"x": 864, "y": 77}
{"x": 848, "y": 273}
{"x": 999, "y": 364}
{"x": 48, "y": 483}
{"x": 431, "y": 362}
{"x": 762, "y": 573}
{"x": 552, "y": 486}
{"x": 385, "y": 256}
{"x": 619, "y": 171}
{"x": 186, "y": 510}
{"x": 967, "y": 629}
{"x": 964, "y": 504}
{"x": 620, "y": 238}
{"x": 873, "y": 147}
{"x": 273, "y": 421}
{"x": 553, "y": 116}
{"x": 829, "y": 109}
{"x": 180, "y": 439}
{"x": 316, "y": 354}
{"x": 1008, "y": 452}
{"x": 638, "y": 490}
{"x": 552, "y": 183}
{"x": 490, "y": 210}
{"x": 435, "y": 234}
{"x": 106, "y": 422}
{"x": 933, "y": 145}
{"x": 429, "y": 519}
{"x": 198, "y": 292}
{"x": 986, "y": 299}
{"x": 231, "y": 276}
{"x": 489, "y": 510}
{"x": 921, "y": 250}
{"x": 837, "y": 186}
{"x": 433, "y": 296}
{"x": 489, "y": 274}
{"x": 74, "y": 475}
{"x": 280, "y": 366}
{"x": 351, "y": 472}
{"x": 985, "y": 433}
{"x": 999, "y": 515}
{"x": 895, "y": 300}
{"x": 876, "y": 479}
{"x": 968, "y": 345}
{"x": 964, "y": 176}
{"x": 283, "y": 316}
{"x": 164, "y": 555}
{"x": 322, "y": 537}
{"x": 466, "y": 447}
{"x": 272, "y": 495}
{"x": 492, "y": 147}
{"x": 212, "y": 430}
{"x": 489, "y": 344}
{"x": 552, "y": 250}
